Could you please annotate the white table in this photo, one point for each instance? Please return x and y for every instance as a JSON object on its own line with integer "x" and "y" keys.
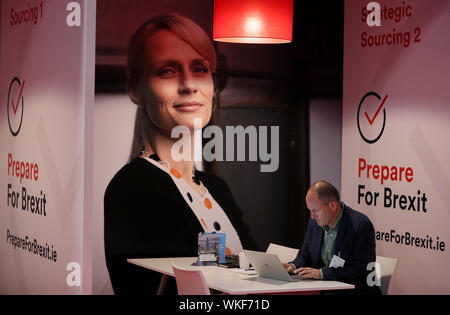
{"x": 230, "y": 282}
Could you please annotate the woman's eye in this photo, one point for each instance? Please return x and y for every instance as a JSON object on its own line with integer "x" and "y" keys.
{"x": 166, "y": 73}
{"x": 201, "y": 69}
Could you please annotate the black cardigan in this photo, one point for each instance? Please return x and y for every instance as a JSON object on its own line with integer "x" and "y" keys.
{"x": 146, "y": 217}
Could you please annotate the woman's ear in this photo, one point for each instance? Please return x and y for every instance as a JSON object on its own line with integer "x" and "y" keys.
{"x": 138, "y": 94}
{"x": 134, "y": 96}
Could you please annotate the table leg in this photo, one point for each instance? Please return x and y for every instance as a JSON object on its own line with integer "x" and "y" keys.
{"x": 162, "y": 285}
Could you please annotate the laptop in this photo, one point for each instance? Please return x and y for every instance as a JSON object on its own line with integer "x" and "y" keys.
{"x": 270, "y": 266}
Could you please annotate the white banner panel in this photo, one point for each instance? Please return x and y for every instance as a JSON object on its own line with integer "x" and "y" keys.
{"x": 46, "y": 88}
{"x": 395, "y": 151}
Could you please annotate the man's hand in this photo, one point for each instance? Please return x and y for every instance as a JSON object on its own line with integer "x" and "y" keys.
{"x": 289, "y": 268}
{"x": 309, "y": 273}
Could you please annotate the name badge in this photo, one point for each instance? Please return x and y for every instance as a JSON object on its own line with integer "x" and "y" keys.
{"x": 336, "y": 262}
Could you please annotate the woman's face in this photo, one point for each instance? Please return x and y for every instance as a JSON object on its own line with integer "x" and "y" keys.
{"x": 179, "y": 81}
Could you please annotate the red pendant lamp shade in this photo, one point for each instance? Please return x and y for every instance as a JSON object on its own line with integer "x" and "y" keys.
{"x": 253, "y": 21}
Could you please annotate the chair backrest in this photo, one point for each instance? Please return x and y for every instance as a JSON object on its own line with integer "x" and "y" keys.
{"x": 286, "y": 254}
{"x": 385, "y": 273}
{"x": 190, "y": 282}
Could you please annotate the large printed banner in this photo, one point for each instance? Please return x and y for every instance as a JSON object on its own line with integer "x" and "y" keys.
{"x": 46, "y": 92}
{"x": 396, "y": 130}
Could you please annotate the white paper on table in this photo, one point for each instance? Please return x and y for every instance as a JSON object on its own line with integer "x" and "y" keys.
{"x": 243, "y": 271}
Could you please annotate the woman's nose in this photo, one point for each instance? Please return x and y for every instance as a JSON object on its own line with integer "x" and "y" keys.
{"x": 187, "y": 84}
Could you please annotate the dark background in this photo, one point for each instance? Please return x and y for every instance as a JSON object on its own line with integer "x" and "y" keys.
{"x": 261, "y": 85}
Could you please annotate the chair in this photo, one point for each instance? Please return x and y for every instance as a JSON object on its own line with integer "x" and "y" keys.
{"x": 385, "y": 272}
{"x": 285, "y": 254}
{"x": 190, "y": 281}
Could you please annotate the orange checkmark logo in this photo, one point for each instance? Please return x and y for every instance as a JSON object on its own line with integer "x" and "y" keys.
{"x": 376, "y": 114}
{"x": 15, "y": 107}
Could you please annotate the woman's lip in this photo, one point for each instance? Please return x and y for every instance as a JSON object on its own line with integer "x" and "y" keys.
{"x": 188, "y": 106}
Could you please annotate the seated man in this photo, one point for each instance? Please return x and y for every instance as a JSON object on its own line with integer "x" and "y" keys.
{"x": 335, "y": 230}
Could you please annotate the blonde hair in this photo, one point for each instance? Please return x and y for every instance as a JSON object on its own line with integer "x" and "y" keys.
{"x": 184, "y": 28}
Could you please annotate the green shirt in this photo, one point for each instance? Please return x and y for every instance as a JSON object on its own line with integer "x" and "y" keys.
{"x": 328, "y": 242}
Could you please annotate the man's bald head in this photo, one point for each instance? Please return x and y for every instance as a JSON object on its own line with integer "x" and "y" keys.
{"x": 325, "y": 191}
